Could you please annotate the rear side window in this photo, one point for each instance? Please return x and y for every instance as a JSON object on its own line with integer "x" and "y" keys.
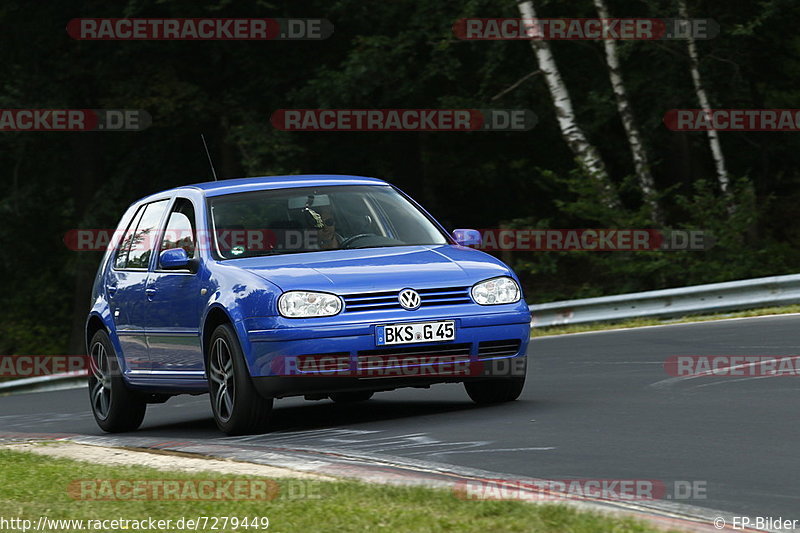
{"x": 137, "y": 247}
{"x": 121, "y": 259}
{"x": 180, "y": 230}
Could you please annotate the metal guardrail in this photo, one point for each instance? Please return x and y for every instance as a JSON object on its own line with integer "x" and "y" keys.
{"x": 667, "y": 303}
{"x": 44, "y": 383}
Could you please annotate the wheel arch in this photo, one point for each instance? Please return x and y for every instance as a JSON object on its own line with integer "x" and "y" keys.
{"x": 96, "y": 322}
{"x": 215, "y": 317}
{"x": 93, "y": 325}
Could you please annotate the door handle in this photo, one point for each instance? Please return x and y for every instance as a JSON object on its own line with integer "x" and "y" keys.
{"x": 150, "y": 293}
{"x": 112, "y": 290}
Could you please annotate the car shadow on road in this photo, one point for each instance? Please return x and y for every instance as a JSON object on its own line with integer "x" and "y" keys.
{"x": 326, "y": 414}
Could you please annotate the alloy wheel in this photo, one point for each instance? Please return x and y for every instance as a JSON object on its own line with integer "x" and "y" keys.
{"x": 101, "y": 387}
{"x": 222, "y": 379}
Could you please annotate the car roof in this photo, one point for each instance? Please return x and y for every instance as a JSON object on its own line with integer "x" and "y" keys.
{"x": 231, "y": 186}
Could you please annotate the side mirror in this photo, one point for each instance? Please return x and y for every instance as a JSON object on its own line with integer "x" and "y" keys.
{"x": 467, "y": 237}
{"x": 174, "y": 258}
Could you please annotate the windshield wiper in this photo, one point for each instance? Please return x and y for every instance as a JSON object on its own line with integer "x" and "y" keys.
{"x": 389, "y": 246}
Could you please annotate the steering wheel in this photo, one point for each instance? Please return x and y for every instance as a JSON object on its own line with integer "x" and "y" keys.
{"x": 344, "y": 243}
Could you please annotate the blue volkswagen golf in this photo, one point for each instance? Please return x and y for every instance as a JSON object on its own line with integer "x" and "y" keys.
{"x": 318, "y": 286}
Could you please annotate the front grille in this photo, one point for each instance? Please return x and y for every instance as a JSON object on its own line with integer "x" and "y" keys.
{"x": 487, "y": 349}
{"x": 375, "y": 301}
{"x": 370, "y": 302}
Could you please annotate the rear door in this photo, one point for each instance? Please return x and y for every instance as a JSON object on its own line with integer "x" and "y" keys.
{"x": 126, "y": 283}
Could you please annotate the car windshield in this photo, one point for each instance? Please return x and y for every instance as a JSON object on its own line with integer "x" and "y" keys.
{"x": 311, "y": 219}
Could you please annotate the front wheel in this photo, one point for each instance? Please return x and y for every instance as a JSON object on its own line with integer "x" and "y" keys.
{"x": 115, "y": 407}
{"x": 495, "y": 390}
{"x": 238, "y": 408}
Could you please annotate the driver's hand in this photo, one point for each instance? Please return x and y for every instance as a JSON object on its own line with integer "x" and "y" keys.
{"x": 327, "y": 238}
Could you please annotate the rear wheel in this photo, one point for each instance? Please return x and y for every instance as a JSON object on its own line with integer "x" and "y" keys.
{"x": 495, "y": 390}
{"x": 351, "y": 397}
{"x": 115, "y": 407}
{"x": 238, "y": 408}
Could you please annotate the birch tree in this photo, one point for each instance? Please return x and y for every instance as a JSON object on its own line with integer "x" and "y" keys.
{"x": 585, "y": 153}
{"x": 702, "y": 97}
{"x": 638, "y": 151}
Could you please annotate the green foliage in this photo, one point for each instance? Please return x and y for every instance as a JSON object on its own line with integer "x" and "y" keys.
{"x": 736, "y": 248}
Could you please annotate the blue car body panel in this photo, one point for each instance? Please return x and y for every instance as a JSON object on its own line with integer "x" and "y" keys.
{"x": 157, "y": 320}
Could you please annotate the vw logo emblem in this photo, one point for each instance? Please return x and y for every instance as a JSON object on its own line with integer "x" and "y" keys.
{"x": 409, "y": 299}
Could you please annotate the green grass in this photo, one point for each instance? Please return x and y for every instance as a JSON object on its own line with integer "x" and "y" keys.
{"x": 33, "y": 485}
{"x": 639, "y": 322}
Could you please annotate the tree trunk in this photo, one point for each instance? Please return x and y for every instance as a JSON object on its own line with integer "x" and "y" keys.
{"x": 586, "y": 154}
{"x": 713, "y": 136}
{"x": 638, "y": 151}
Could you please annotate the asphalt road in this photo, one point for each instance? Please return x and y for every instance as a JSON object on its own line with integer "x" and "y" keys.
{"x": 596, "y": 405}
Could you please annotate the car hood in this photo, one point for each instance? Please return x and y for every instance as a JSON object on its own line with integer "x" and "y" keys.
{"x": 376, "y": 269}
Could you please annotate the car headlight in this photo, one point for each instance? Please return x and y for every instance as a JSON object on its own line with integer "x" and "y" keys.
{"x": 305, "y": 304}
{"x": 496, "y": 291}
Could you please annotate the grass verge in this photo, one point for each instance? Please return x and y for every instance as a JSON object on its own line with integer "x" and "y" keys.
{"x": 32, "y": 486}
{"x": 640, "y": 322}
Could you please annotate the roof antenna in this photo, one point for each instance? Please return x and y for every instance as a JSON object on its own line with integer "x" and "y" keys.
{"x": 213, "y": 172}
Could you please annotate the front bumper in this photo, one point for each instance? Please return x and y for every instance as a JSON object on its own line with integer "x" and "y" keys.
{"x": 343, "y": 354}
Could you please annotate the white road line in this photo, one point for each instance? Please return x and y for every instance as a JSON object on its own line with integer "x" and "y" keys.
{"x": 493, "y": 450}
{"x": 694, "y": 323}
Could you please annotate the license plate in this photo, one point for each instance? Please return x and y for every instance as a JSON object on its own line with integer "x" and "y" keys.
{"x": 442, "y": 330}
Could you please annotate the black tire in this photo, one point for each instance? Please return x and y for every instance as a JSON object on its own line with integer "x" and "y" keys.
{"x": 495, "y": 390}
{"x": 238, "y": 408}
{"x": 351, "y": 397}
{"x": 115, "y": 407}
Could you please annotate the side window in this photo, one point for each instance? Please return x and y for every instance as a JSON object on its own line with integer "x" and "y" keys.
{"x": 181, "y": 230}
{"x": 360, "y": 216}
{"x": 142, "y": 241}
{"x": 121, "y": 259}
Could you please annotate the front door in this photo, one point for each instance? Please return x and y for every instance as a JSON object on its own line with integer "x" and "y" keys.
{"x": 173, "y": 310}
